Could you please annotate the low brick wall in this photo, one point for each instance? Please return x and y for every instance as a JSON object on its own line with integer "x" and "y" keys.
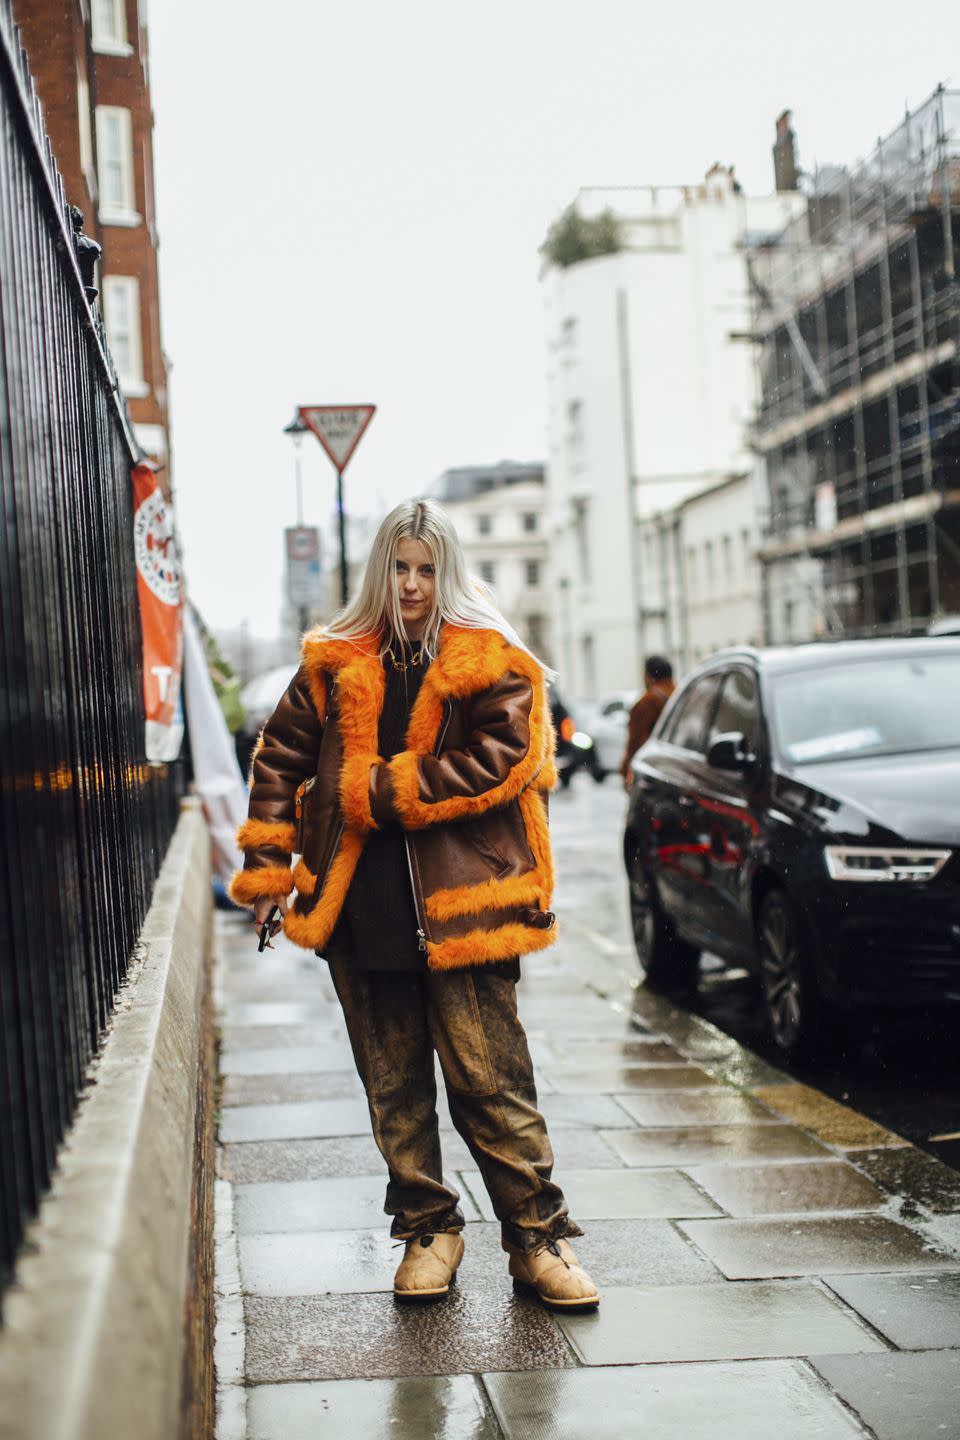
{"x": 108, "y": 1325}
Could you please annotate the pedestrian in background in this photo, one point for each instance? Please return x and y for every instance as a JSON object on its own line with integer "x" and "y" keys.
{"x": 659, "y": 686}
{"x": 407, "y": 764}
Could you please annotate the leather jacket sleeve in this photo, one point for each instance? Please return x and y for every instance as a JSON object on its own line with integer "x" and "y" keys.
{"x": 285, "y": 756}
{"x": 507, "y": 745}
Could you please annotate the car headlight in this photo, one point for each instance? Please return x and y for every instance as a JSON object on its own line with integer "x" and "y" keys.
{"x": 581, "y": 740}
{"x": 861, "y": 862}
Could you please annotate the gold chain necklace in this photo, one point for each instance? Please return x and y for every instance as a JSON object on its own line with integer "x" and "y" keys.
{"x": 416, "y": 658}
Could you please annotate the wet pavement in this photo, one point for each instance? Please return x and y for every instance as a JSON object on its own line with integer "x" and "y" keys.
{"x": 771, "y": 1262}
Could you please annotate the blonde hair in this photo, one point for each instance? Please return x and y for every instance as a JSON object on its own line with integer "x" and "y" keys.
{"x": 458, "y": 598}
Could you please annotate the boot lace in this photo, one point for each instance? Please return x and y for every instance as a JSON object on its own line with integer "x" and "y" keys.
{"x": 553, "y": 1247}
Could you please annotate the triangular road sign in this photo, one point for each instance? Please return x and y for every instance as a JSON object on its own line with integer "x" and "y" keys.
{"x": 338, "y": 428}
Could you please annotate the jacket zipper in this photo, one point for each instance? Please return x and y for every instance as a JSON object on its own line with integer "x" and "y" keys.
{"x": 417, "y": 903}
{"x": 322, "y": 879}
{"x": 422, "y": 932}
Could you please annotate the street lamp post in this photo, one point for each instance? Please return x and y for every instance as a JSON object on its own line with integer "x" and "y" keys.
{"x": 296, "y": 430}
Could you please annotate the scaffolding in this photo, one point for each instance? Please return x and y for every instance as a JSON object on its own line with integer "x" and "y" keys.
{"x": 858, "y": 430}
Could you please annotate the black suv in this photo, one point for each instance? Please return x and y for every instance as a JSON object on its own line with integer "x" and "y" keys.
{"x": 797, "y": 812}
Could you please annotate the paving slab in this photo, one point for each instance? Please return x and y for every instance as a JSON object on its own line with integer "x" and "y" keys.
{"x": 582, "y": 1111}
{"x": 752, "y": 1249}
{"x": 272, "y": 1012}
{"x": 616, "y": 1194}
{"x": 610, "y": 1079}
{"x": 443, "y": 1407}
{"x": 832, "y": 1122}
{"x": 720, "y": 1106}
{"x": 755, "y": 1400}
{"x": 318, "y": 1262}
{"x": 945, "y": 1230}
{"x": 900, "y": 1396}
{"x": 913, "y": 1177}
{"x": 289, "y": 1089}
{"x": 916, "y": 1312}
{"x": 720, "y": 1144}
{"x": 309, "y": 1120}
{"x": 287, "y": 1060}
{"x": 615, "y": 1252}
{"x": 280, "y": 1037}
{"x": 261, "y": 1160}
{"x": 797, "y": 1187}
{"x": 347, "y": 1202}
{"x": 635, "y": 1049}
{"x": 369, "y": 1336}
{"x": 640, "y": 1325}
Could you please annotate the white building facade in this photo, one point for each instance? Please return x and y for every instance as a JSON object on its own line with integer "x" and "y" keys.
{"x": 700, "y": 588}
{"x": 650, "y": 385}
{"x": 499, "y": 514}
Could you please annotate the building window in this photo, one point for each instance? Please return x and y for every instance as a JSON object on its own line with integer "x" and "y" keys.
{"x": 484, "y": 524}
{"x": 746, "y": 547}
{"x": 581, "y": 525}
{"x": 115, "y": 163}
{"x": 709, "y": 575}
{"x": 575, "y": 428}
{"x": 568, "y": 334}
{"x": 529, "y": 522}
{"x": 588, "y": 660}
{"x": 488, "y": 572}
{"x": 121, "y": 314}
{"x": 108, "y": 26}
{"x": 692, "y": 569}
{"x": 535, "y": 632}
{"x": 532, "y": 569}
{"x": 726, "y": 549}
{"x": 84, "y": 131}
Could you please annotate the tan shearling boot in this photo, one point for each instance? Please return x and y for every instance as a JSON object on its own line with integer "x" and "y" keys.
{"x": 552, "y": 1269}
{"x": 429, "y": 1266}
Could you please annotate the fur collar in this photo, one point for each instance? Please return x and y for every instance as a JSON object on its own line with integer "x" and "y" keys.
{"x": 467, "y": 661}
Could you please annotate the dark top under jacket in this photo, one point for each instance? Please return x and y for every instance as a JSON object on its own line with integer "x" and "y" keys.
{"x": 378, "y": 924}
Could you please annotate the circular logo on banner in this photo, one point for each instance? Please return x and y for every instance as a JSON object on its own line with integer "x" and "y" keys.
{"x": 155, "y": 549}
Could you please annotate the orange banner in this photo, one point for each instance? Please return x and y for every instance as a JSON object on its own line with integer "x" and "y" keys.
{"x": 158, "y": 585}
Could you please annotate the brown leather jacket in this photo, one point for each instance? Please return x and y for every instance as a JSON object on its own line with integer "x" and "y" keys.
{"x": 469, "y": 791}
{"x": 643, "y": 717}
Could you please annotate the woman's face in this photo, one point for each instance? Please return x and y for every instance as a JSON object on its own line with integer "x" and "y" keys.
{"x": 416, "y": 581}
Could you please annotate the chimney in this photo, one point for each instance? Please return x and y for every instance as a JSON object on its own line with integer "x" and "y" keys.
{"x": 785, "y": 154}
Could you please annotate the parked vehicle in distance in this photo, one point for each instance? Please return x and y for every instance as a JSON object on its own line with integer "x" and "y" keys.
{"x": 797, "y": 812}
{"x": 606, "y": 722}
{"x": 260, "y": 697}
{"x": 575, "y": 748}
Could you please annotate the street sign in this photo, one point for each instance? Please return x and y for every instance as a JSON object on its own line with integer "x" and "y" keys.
{"x": 304, "y": 576}
{"x": 338, "y": 428}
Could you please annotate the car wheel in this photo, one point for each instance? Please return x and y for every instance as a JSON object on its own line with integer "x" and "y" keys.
{"x": 598, "y": 773}
{"x": 795, "y": 1010}
{"x": 668, "y": 962}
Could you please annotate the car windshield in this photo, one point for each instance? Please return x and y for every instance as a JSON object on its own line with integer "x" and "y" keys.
{"x": 870, "y": 707}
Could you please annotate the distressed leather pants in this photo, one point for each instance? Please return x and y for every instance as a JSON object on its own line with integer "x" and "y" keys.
{"x": 469, "y": 1017}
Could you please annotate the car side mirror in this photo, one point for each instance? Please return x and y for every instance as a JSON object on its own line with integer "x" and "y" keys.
{"x": 731, "y": 752}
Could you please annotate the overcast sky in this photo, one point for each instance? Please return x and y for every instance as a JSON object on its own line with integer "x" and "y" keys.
{"x": 350, "y": 199}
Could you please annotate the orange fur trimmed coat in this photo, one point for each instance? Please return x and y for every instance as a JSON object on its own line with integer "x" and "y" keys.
{"x": 469, "y": 791}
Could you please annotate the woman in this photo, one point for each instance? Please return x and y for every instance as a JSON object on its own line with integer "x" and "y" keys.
{"x": 408, "y": 765}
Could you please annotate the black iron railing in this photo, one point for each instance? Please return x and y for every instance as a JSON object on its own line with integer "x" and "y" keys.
{"x": 84, "y": 821}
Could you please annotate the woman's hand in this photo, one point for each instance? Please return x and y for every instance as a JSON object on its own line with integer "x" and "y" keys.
{"x": 264, "y": 908}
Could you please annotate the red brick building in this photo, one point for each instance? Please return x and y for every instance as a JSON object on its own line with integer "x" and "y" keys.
{"x": 90, "y": 63}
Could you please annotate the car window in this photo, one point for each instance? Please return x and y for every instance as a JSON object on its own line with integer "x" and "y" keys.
{"x": 688, "y": 724}
{"x": 738, "y": 709}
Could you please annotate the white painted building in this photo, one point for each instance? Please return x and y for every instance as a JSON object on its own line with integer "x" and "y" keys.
{"x": 498, "y": 511}
{"x": 699, "y": 576}
{"x": 650, "y": 385}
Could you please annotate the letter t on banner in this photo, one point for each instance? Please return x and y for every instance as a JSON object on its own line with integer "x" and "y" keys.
{"x": 339, "y": 429}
